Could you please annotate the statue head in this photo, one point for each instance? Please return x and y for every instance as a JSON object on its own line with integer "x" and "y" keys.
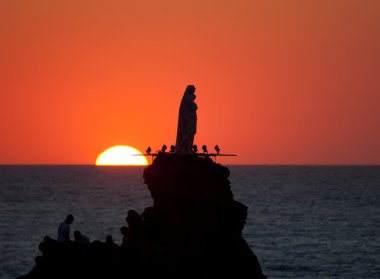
{"x": 190, "y": 89}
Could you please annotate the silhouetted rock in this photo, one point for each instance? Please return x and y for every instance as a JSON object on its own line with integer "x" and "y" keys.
{"x": 193, "y": 230}
{"x": 195, "y": 215}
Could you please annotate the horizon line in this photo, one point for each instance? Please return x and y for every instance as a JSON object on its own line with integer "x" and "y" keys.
{"x": 253, "y": 164}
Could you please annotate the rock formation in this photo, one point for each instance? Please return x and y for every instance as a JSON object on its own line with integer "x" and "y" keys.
{"x": 193, "y": 230}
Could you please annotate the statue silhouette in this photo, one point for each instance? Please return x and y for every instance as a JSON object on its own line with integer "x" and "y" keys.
{"x": 187, "y": 122}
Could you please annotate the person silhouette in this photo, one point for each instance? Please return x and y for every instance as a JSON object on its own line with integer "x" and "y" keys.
{"x": 109, "y": 239}
{"x": 64, "y": 229}
{"x": 187, "y": 122}
{"x": 81, "y": 238}
{"x": 124, "y": 232}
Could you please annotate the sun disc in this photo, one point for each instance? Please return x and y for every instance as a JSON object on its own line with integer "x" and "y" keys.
{"x": 121, "y": 155}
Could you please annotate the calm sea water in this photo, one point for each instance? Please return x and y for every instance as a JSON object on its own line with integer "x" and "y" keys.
{"x": 303, "y": 222}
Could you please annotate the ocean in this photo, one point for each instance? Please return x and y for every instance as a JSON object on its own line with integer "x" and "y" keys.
{"x": 303, "y": 221}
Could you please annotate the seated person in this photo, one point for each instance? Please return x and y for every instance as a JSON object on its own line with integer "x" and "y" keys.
{"x": 80, "y": 238}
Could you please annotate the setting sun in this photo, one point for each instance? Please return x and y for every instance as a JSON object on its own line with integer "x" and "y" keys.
{"x": 121, "y": 155}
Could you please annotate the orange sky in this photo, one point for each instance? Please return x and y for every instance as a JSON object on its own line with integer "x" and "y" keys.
{"x": 278, "y": 82}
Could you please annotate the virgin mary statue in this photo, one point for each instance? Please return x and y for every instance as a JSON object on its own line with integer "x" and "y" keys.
{"x": 187, "y": 122}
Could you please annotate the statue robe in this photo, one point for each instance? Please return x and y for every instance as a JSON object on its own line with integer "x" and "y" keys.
{"x": 187, "y": 124}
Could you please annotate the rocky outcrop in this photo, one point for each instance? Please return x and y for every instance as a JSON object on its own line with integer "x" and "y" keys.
{"x": 193, "y": 230}
{"x": 195, "y": 214}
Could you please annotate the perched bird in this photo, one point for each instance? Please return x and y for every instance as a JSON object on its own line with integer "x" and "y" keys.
{"x": 217, "y": 149}
{"x": 195, "y": 148}
{"x": 204, "y": 148}
{"x": 172, "y": 148}
{"x": 163, "y": 149}
{"x": 148, "y": 150}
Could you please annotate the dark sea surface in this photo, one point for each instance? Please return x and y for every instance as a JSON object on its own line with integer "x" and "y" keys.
{"x": 303, "y": 221}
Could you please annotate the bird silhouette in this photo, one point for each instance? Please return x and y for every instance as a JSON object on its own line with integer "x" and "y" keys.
{"x": 204, "y": 148}
{"x": 195, "y": 148}
{"x": 172, "y": 148}
{"x": 148, "y": 150}
{"x": 163, "y": 149}
{"x": 217, "y": 149}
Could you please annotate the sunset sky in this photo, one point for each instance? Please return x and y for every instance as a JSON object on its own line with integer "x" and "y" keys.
{"x": 278, "y": 82}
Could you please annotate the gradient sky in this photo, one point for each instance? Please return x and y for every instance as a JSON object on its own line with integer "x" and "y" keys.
{"x": 278, "y": 82}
